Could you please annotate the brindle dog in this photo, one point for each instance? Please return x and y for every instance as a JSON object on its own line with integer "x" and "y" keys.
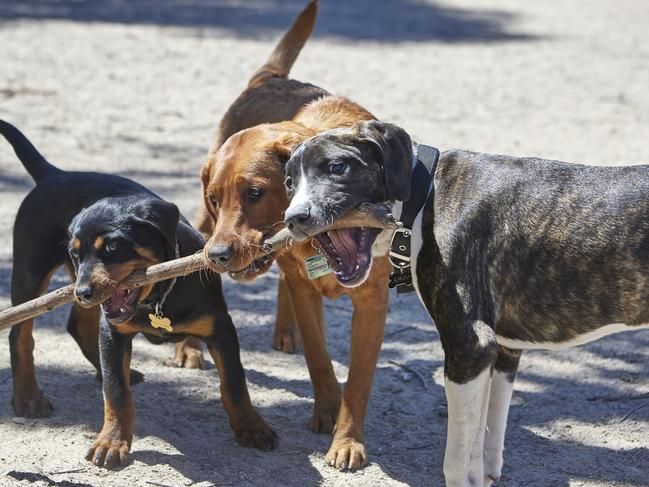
{"x": 508, "y": 253}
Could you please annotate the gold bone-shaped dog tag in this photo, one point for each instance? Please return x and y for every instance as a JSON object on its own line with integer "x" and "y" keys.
{"x": 161, "y": 322}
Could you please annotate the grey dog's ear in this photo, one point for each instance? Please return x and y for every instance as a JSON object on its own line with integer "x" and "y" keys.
{"x": 394, "y": 151}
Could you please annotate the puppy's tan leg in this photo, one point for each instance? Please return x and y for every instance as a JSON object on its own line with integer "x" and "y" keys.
{"x": 368, "y": 323}
{"x": 189, "y": 354}
{"x": 287, "y": 336}
{"x": 309, "y": 313}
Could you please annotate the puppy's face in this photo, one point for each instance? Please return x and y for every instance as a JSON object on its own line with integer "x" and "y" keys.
{"x": 243, "y": 187}
{"x": 334, "y": 172}
{"x": 111, "y": 239}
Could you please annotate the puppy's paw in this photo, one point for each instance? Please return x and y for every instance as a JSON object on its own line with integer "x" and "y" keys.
{"x": 324, "y": 416}
{"x": 287, "y": 338}
{"x": 189, "y": 354}
{"x": 32, "y": 405}
{"x": 346, "y": 454}
{"x": 255, "y": 433}
{"x": 108, "y": 452}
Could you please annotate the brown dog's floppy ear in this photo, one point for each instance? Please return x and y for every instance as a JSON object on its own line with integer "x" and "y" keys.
{"x": 394, "y": 152}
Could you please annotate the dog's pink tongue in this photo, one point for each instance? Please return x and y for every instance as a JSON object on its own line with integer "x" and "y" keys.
{"x": 117, "y": 299}
{"x": 346, "y": 245}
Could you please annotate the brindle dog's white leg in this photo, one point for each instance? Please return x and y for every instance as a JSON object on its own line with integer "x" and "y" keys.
{"x": 500, "y": 396}
{"x": 467, "y": 418}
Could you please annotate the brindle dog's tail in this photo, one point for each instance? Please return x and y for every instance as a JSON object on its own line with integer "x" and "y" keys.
{"x": 36, "y": 165}
{"x": 282, "y": 58}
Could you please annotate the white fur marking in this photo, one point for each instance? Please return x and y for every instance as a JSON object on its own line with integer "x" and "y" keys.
{"x": 590, "y": 336}
{"x": 302, "y": 195}
{"x": 500, "y": 397}
{"x": 467, "y": 418}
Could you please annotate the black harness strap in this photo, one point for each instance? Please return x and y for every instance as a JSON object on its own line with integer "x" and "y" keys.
{"x": 420, "y": 188}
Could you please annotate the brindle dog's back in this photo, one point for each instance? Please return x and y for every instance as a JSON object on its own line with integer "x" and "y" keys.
{"x": 540, "y": 250}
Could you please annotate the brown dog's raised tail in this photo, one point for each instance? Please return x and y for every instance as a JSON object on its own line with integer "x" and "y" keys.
{"x": 285, "y": 53}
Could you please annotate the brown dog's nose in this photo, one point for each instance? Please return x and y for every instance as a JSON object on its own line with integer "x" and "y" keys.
{"x": 84, "y": 293}
{"x": 220, "y": 254}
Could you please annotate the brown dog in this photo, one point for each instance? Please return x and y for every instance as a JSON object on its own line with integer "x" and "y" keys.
{"x": 245, "y": 201}
{"x": 270, "y": 97}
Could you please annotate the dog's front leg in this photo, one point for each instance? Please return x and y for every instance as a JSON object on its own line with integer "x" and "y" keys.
{"x": 468, "y": 363}
{"x": 114, "y": 441}
{"x": 368, "y": 323}
{"x": 500, "y": 396}
{"x": 249, "y": 427}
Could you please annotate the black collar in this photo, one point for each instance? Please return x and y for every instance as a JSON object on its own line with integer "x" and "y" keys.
{"x": 420, "y": 188}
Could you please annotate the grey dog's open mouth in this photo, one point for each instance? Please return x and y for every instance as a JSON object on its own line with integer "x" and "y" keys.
{"x": 120, "y": 307}
{"x": 258, "y": 266}
{"x": 349, "y": 252}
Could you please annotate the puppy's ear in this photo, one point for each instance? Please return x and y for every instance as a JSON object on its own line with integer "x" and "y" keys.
{"x": 162, "y": 217}
{"x": 393, "y": 148}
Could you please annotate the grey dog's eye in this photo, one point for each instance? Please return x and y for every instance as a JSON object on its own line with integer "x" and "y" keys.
{"x": 288, "y": 182}
{"x": 336, "y": 168}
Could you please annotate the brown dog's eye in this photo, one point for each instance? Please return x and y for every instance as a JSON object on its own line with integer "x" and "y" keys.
{"x": 212, "y": 200}
{"x": 111, "y": 246}
{"x": 254, "y": 193}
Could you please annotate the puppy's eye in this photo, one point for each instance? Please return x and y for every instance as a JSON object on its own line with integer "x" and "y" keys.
{"x": 336, "y": 168}
{"x": 288, "y": 182}
{"x": 111, "y": 246}
{"x": 212, "y": 199}
{"x": 74, "y": 252}
{"x": 254, "y": 193}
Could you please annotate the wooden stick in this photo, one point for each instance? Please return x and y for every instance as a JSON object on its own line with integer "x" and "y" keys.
{"x": 368, "y": 215}
{"x": 55, "y": 299}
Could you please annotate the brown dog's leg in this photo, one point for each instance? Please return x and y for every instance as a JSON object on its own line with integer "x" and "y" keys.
{"x": 189, "y": 354}
{"x": 308, "y": 309}
{"x": 368, "y": 323}
{"x": 114, "y": 441}
{"x": 287, "y": 336}
{"x": 249, "y": 427}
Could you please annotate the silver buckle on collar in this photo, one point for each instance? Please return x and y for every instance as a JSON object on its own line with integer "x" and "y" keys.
{"x": 400, "y": 257}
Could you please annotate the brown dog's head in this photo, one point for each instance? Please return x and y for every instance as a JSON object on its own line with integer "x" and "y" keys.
{"x": 332, "y": 173}
{"x": 243, "y": 188}
{"x": 111, "y": 239}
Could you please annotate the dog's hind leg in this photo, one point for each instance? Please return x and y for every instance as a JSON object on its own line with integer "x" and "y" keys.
{"x": 502, "y": 386}
{"x": 468, "y": 369}
{"x": 286, "y": 336}
{"x": 27, "y": 400}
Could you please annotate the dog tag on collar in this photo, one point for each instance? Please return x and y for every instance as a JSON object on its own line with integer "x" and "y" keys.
{"x": 161, "y": 322}
{"x": 317, "y": 266}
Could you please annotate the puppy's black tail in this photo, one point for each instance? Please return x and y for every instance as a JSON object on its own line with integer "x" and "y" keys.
{"x": 36, "y": 165}
{"x": 285, "y": 53}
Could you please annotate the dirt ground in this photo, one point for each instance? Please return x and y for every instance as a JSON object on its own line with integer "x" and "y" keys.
{"x": 137, "y": 88}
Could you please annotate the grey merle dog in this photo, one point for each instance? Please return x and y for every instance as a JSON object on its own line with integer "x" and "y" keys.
{"x": 507, "y": 254}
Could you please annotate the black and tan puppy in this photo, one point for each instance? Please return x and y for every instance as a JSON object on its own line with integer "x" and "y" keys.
{"x": 120, "y": 227}
{"x": 506, "y": 254}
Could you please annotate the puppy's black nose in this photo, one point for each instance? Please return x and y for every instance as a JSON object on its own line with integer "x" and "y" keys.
{"x": 297, "y": 216}
{"x": 220, "y": 254}
{"x": 84, "y": 293}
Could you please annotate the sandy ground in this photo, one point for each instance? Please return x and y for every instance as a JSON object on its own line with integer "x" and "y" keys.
{"x": 137, "y": 88}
